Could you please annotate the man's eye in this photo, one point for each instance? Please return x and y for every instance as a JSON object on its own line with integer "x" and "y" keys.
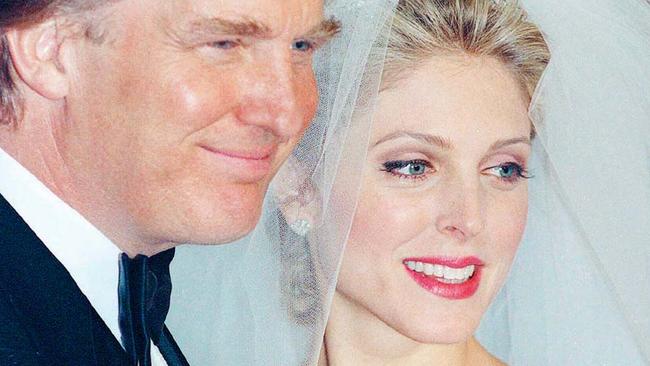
{"x": 224, "y": 44}
{"x": 303, "y": 45}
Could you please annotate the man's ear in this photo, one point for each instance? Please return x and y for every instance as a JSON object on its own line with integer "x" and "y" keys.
{"x": 35, "y": 52}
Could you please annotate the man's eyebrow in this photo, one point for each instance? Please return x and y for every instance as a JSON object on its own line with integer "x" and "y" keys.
{"x": 324, "y": 31}
{"x": 438, "y": 141}
{"x": 244, "y": 27}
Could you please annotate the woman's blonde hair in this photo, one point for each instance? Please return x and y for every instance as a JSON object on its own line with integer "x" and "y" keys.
{"x": 493, "y": 28}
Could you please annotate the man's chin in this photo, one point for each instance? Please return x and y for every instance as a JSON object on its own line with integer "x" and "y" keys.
{"x": 221, "y": 231}
{"x": 202, "y": 214}
{"x": 218, "y": 239}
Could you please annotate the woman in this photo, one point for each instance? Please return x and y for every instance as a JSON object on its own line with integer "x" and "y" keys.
{"x": 442, "y": 202}
{"x": 444, "y": 195}
{"x": 266, "y": 301}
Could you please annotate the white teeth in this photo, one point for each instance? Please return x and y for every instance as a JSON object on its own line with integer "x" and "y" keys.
{"x": 454, "y": 273}
{"x": 419, "y": 266}
{"x": 438, "y": 270}
{"x": 443, "y": 273}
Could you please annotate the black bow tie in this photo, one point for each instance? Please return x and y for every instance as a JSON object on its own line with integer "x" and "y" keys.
{"x": 144, "y": 293}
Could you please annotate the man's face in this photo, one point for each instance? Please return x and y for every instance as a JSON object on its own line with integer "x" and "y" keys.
{"x": 178, "y": 120}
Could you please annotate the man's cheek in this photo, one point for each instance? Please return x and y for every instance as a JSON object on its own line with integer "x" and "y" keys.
{"x": 310, "y": 96}
{"x": 199, "y": 101}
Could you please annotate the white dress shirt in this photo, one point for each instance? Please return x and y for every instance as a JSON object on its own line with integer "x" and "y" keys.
{"x": 88, "y": 255}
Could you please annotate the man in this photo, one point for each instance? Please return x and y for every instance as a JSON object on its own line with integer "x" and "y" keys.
{"x": 131, "y": 127}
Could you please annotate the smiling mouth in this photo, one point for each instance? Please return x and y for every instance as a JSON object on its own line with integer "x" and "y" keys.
{"x": 450, "y": 278}
{"x": 441, "y": 272}
{"x": 256, "y": 155}
{"x": 245, "y": 166}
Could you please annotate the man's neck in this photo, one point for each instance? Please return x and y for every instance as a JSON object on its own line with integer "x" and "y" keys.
{"x": 36, "y": 151}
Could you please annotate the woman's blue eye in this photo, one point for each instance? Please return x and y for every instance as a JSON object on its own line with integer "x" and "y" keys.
{"x": 302, "y": 45}
{"x": 407, "y": 168}
{"x": 509, "y": 172}
{"x": 412, "y": 169}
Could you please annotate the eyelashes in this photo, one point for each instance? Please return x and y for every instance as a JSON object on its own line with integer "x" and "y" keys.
{"x": 410, "y": 169}
{"x": 306, "y": 46}
{"x": 231, "y": 49}
{"x": 509, "y": 172}
{"x": 419, "y": 169}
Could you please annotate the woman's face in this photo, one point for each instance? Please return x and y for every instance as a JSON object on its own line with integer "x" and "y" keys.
{"x": 443, "y": 200}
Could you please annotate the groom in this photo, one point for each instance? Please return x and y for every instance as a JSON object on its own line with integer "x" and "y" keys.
{"x": 128, "y": 127}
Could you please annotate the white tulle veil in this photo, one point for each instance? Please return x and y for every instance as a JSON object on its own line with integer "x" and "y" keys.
{"x": 579, "y": 289}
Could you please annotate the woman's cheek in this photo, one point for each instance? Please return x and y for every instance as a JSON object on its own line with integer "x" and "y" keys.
{"x": 387, "y": 220}
{"x": 509, "y": 224}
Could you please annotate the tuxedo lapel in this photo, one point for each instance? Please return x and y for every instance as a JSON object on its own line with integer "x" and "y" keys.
{"x": 60, "y": 321}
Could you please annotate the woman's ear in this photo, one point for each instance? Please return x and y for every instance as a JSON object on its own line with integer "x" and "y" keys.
{"x": 34, "y": 53}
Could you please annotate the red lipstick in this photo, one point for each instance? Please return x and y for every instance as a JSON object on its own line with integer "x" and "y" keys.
{"x": 437, "y": 284}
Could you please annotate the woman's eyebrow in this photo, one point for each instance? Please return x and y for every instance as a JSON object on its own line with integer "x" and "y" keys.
{"x": 435, "y": 140}
{"x": 511, "y": 141}
{"x": 444, "y": 143}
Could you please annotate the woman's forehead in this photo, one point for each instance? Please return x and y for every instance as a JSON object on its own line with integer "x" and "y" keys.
{"x": 454, "y": 98}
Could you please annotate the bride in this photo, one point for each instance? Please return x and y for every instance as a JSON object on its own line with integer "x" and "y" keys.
{"x": 444, "y": 193}
{"x": 418, "y": 166}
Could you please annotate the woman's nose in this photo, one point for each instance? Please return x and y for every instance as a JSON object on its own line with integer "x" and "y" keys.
{"x": 461, "y": 210}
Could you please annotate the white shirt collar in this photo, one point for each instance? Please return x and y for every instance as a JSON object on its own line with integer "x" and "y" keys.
{"x": 90, "y": 257}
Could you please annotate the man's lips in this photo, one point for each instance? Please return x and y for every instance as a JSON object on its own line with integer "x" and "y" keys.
{"x": 253, "y": 154}
{"x": 250, "y": 165}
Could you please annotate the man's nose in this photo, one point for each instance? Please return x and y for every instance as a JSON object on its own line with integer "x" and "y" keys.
{"x": 279, "y": 96}
{"x": 462, "y": 213}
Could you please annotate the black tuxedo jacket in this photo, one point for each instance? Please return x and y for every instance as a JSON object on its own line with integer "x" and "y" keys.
{"x": 45, "y": 319}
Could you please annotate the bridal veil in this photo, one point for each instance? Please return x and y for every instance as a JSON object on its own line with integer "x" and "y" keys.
{"x": 579, "y": 290}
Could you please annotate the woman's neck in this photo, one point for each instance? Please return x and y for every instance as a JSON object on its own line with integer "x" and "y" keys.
{"x": 355, "y": 336}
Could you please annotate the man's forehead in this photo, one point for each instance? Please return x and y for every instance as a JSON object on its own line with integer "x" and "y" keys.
{"x": 247, "y": 16}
